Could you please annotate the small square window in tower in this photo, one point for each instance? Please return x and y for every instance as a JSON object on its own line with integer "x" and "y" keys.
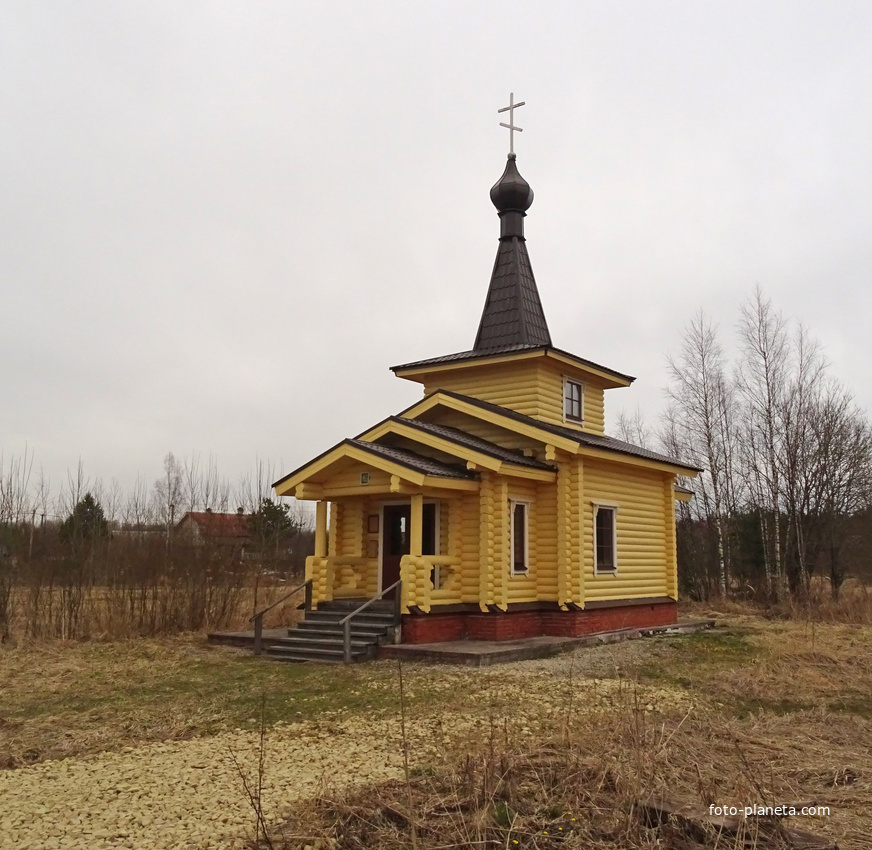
{"x": 604, "y": 526}
{"x": 573, "y": 398}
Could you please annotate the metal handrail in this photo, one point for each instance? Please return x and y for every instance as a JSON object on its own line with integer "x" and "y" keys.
{"x": 257, "y": 619}
{"x": 345, "y": 622}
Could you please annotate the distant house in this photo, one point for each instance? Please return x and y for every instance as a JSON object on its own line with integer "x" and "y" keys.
{"x": 228, "y": 534}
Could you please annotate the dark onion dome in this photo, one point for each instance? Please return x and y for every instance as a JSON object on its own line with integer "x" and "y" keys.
{"x": 511, "y": 193}
{"x": 512, "y": 314}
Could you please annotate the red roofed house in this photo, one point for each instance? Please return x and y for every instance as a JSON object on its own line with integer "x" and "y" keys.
{"x": 228, "y": 533}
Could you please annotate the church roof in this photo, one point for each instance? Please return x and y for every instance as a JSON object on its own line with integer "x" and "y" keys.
{"x": 512, "y": 321}
{"x": 512, "y": 312}
{"x": 412, "y": 460}
{"x": 583, "y": 438}
{"x": 461, "y": 438}
{"x": 462, "y": 356}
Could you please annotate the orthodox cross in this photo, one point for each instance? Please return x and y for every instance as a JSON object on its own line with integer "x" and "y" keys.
{"x": 511, "y": 125}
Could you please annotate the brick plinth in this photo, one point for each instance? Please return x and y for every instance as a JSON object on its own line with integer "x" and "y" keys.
{"x": 434, "y": 628}
{"x": 513, "y": 625}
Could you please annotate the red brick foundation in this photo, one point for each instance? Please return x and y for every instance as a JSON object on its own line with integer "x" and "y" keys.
{"x": 512, "y": 625}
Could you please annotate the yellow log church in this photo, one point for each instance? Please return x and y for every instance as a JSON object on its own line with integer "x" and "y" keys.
{"x": 496, "y": 505}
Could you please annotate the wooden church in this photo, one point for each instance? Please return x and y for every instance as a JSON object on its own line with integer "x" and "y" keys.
{"x": 496, "y": 504}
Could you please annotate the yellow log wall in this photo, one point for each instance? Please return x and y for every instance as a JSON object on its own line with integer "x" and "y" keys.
{"x": 523, "y": 588}
{"x": 550, "y": 398}
{"x": 485, "y": 431}
{"x": 487, "y": 540}
{"x": 577, "y": 536}
{"x": 545, "y": 518}
{"x": 643, "y": 566}
{"x": 534, "y": 388}
{"x": 516, "y": 387}
{"x": 335, "y": 521}
{"x": 564, "y": 488}
{"x": 351, "y": 477}
{"x": 671, "y": 546}
{"x": 348, "y": 540}
{"x": 469, "y": 546}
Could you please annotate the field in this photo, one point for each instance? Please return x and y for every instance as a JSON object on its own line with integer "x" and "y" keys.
{"x": 145, "y": 743}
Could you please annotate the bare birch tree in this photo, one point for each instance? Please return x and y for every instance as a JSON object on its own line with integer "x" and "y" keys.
{"x": 703, "y": 417}
{"x": 761, "y": 378}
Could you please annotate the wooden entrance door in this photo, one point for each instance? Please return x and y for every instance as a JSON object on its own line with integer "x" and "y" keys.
{"x": 397, "y": 537}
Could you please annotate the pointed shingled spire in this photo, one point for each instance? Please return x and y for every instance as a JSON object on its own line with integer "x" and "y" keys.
{"x": 512, "y": 315}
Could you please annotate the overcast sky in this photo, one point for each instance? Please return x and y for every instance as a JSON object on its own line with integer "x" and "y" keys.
{"x": 221, "y": 223}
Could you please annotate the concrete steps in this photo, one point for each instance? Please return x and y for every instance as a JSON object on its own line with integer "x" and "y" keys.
{"x": 319, "y": 637}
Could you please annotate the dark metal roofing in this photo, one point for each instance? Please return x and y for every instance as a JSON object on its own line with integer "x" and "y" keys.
{"x": 513, "y": 313}
{"x": 461, "y": 438}
{"x": 515, "y": 349}
{"x": 424, "y": 465}
{"x": 511, "y": 193}
{"x": 611, "y": 444}
{"x": 583, "y": 438}
{"x": 412, "y": 460}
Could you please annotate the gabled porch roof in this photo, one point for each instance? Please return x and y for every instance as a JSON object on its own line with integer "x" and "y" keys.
{"x": 474, "y": 451}
{"x": 401, "y": 469}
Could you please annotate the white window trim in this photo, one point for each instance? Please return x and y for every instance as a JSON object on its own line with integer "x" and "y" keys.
{"x": 568, "y": 380}
{"x": 526, "y": 504}
{"x": 612, "y": 506}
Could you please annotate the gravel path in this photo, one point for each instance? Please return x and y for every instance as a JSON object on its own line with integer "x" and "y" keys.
{"x": 189, "y": 794}
{"x": 185, "y": 794}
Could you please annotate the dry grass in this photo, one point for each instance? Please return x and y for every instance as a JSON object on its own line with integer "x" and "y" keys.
{"x": 757, "y": 711}
{"x": 772, "y": 713}
{"x": 104, "y": 613}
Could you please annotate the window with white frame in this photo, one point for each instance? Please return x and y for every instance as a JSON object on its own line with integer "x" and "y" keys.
{"x": 573, "y": 400}
{"x": 605, "y": 538}
{"x": 520, "y": 537}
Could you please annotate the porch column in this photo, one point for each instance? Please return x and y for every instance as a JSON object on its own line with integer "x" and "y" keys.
{"x": 321, "y": 529}
{"x": 420, "y": 578}
{"x": 416, "y": 530}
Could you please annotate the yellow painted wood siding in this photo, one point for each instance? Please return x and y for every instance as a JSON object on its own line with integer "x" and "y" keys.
{"x": 468, "y": 506}
{"x": 514, "y": 385}
{"x": 500, "y": 563}
{"x": 671, "y": 545}
{"x": 577, "y": 536}
{"x": 531, "y": 387}
{"x": 522, "y": 588}
{"x": 484, "y": 430}
{"x": 642, "y": 517}
{"x": 332, "y": 528}
{"x": 487, "y": 540}
{"x": 370, "y": 507}
{"x": 550, "y": 398}
{"x": 350, "y": 477}
{"x": 545, "y": 519}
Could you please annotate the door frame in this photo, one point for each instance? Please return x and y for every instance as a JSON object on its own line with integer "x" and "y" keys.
{"x": 437, "y": 521}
